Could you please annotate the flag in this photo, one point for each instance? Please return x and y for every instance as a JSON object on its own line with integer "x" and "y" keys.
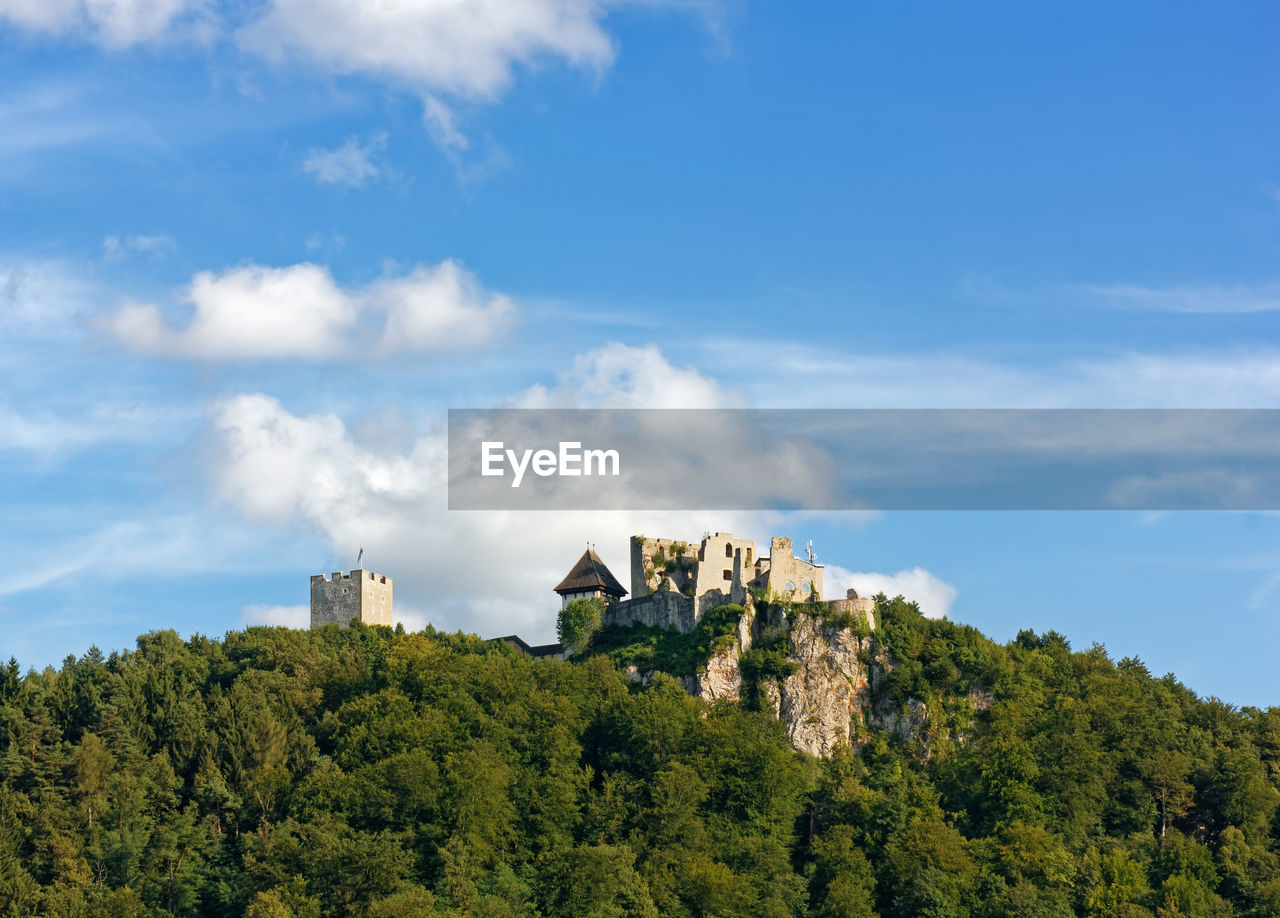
{"x": 359, "y": 556}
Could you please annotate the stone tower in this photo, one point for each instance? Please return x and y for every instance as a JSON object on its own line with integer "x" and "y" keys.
{"x": 361, "y": 596}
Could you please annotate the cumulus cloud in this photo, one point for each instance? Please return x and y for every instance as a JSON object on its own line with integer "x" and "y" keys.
{"x": 300, "y": 311}
{"x": 349, "y": 165}
{"x": 484, "y": 572}
{"x": 277, "y": 616}
{"x": 489, "y": 572}
{"x": 440, "y": 306}
{"x": 621, "y": 376}
{"x": 931, "y": 593}
{"x": 111, "y": 23}
{"x": 444, "y": 46}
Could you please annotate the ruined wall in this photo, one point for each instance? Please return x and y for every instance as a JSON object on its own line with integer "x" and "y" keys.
{"x": 652, "y": 560}
{"x": 720, "y": 564}
{"x": 664, "y": 609}
{"x": 784, "y": 567}
{"x": 725, "y": 566}
{"x": 356, "y": 596}
{"x": 853, "y": 605}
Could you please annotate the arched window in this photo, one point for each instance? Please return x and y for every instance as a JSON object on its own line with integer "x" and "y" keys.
{"x": 728, "y": 550}
{"x": 791, "y": 587}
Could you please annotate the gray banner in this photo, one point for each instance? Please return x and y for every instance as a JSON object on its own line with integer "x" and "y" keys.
{"x": 853, "y": 459}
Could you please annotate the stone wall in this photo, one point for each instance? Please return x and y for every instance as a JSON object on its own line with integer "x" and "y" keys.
{"x": 356, "y": 596}
{"x": 681, "y": 565}
{"x": 726, "y": 566}
{"x": 664, "y": 609}
{"x": 854, "y": 606}
{"x": 375, "y": 599}
{"x": 784, "y": 567}
{"x": 722, "y": 567}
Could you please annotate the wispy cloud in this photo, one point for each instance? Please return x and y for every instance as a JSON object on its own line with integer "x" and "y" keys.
{"x": 178, "y": 544}
{"x": 119, "y": 248}
{"x": 49, "y": 434}
{"x": 1190, "y": 299}
{"x": 350, "y": 165}
{"x": 820, "y": 377}
{"x": 118, "y": 24}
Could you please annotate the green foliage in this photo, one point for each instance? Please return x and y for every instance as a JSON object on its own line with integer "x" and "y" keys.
{"x": 370, "y": 772}
{"x": 667, "y": 650}
{"x": 578, "y": 622}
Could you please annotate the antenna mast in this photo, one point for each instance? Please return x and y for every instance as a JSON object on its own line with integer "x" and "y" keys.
{"x": 811, "y": 555}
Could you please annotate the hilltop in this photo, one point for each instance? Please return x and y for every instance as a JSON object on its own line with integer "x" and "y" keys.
{"x": 373, "y": 772}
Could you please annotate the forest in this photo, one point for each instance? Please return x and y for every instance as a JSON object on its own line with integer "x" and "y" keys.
{"x": 372, "y": 772}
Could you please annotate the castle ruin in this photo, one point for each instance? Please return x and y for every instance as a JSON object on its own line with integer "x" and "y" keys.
{"x": 674, "y": 583}
{"x": 360, "y": 595}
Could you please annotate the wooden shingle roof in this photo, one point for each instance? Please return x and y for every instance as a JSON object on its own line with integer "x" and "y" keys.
{"x": 590, "y": 574}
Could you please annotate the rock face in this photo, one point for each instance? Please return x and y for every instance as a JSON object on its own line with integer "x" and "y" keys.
{"x": 722, "y": 677}
{"x": 825, "y": 700}
{"x": 814, "y": 668}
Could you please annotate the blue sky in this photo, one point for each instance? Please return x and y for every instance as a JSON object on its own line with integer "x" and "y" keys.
{"x": 251, "y": 252}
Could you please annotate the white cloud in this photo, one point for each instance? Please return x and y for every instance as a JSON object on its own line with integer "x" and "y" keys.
{"x": 620, "y": 376}
{"x": 350, "y": 165}
{"x": 256, "y": 312}
{"x": 51, "y": 434}
{"x": 175, "y": 544}
{"x": 116, "y": 248}
{"x": 442, "y": 124}
{"x": 440, "y": 307}
{"x": 111, "y": 23}
{"x": 39, "y": 296}
{"x": 485, "y": 572}
{"x": 931, "y": 593}
{"x": 278, "y": 616}
{"x": 1236, "y": 298}
{"x": 445, "y": 51}
{"x": 246, "y": 313}
{"x": 455, "y": 47}
{"x": 488, "y": 572}
{"x": 822, "y": 378}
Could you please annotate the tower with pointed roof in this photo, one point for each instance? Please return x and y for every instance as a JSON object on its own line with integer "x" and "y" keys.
{"x": 589, "y": 577}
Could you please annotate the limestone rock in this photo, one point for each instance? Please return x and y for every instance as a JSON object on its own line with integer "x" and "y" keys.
{"x": 722, "y": 678}
{"x": 822, "y": 703}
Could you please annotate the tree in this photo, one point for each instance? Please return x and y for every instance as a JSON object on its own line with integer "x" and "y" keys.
{"x": 579, "y": 621}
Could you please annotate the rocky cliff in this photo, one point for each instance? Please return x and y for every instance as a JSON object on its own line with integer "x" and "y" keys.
{"x": 816, "y": 673}
{"x": 813, "y": 674}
